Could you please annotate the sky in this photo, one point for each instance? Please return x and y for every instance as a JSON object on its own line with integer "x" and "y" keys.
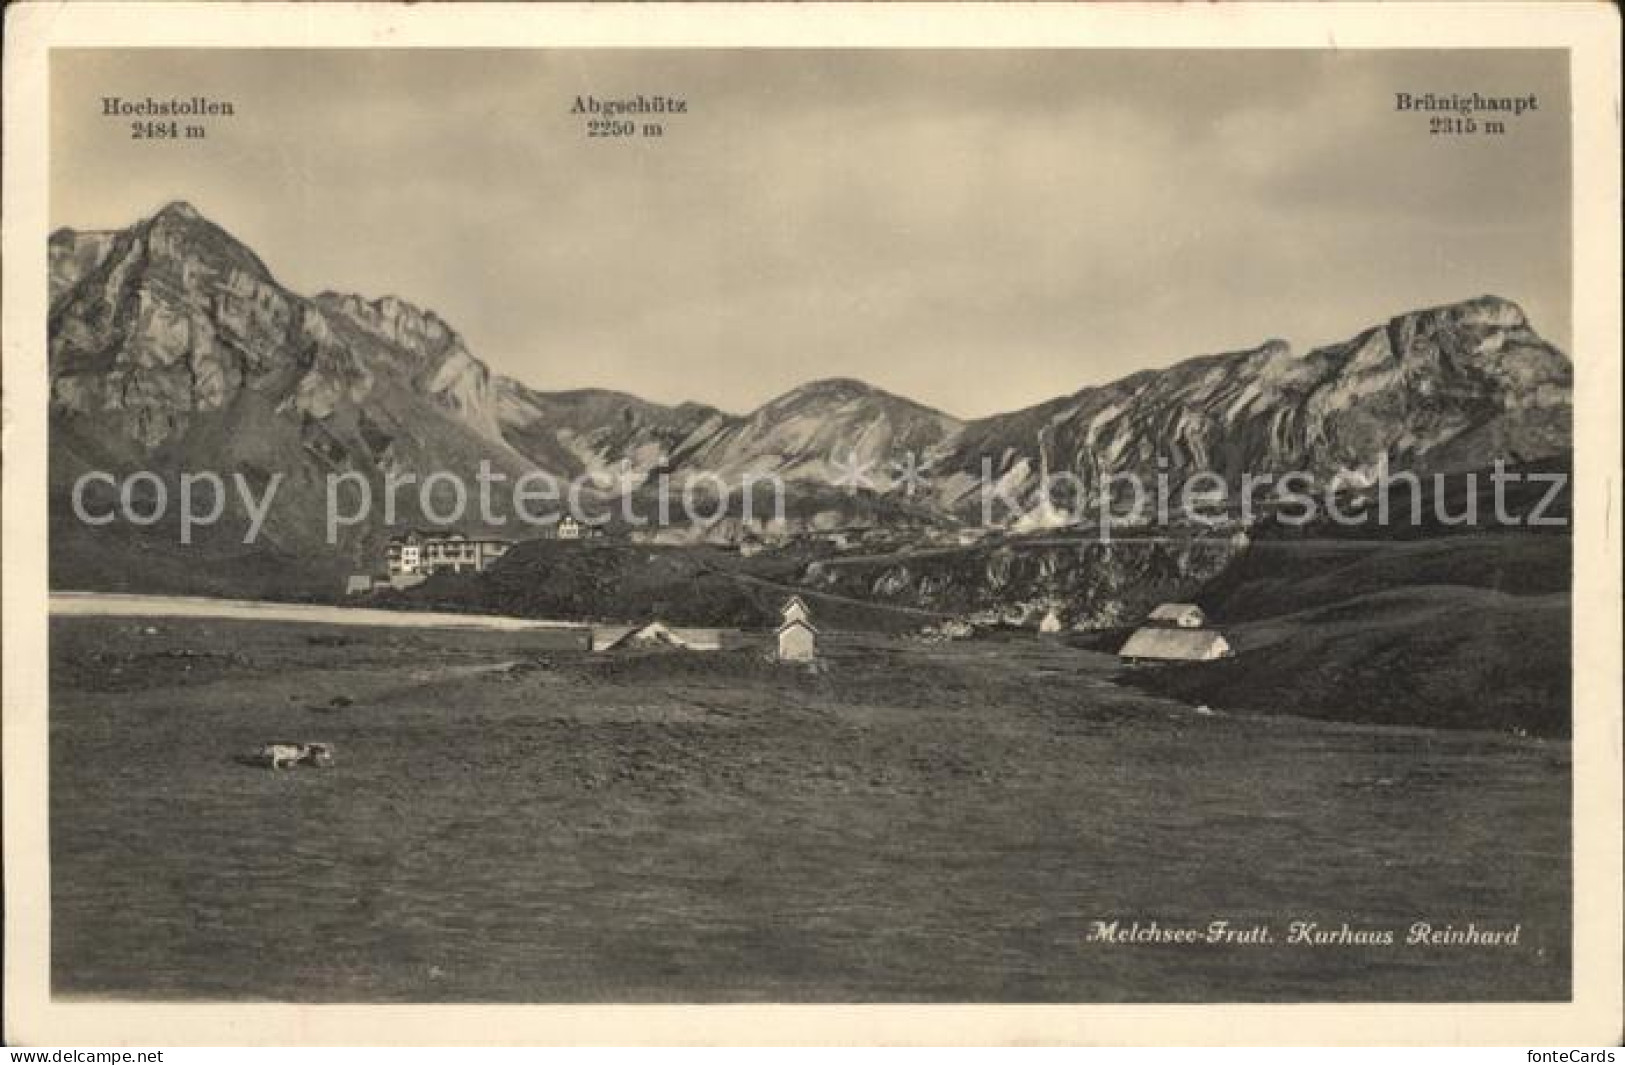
{"x": 977, "y": 230}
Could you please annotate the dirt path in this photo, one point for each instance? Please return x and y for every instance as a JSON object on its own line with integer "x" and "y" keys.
{"x": 165, "y": 606}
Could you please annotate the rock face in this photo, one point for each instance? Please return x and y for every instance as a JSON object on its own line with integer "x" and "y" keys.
{"x": 810, "y": 434}
{"x": 1086, "y": 587}
{"x": 604, "y": 434}
{"x": 173, "y": 347}
{"x": 1437, "y": 390}
{"x": 424, "y": 352}
{"x": 171, "y": 319}
{"x": 823, "y": 432}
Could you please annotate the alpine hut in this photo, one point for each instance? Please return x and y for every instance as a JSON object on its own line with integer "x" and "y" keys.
{"x": 1176, "y": 632}
{"x": 654, "y": 634}
{"x": 1184, "y": 615}
{"x": 1157, "y": 644}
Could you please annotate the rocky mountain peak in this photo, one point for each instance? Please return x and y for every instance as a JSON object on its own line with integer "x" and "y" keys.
{"x": 178, "y": 211}
{"x": 1481, "y": 312}
{"x": 1475, "y": 337}
{"x": 1461, "y": 332}
{"x": 172, "y": 320}
{"x": 831, "y": 394}
{"x": 834, "y": 388}
{"x": 823, "y": 394}
{"x": 1445, "y": 388}
{"x": 180, "y": 238}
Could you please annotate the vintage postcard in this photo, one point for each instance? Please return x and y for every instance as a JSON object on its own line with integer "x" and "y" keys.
{"x": 812, "y": 523}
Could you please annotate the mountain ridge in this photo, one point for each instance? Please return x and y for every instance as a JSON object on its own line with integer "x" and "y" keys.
{"x": 172, "y": 343}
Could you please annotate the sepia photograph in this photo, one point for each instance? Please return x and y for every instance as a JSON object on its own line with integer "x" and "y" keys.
{"x": 811, "y": 525}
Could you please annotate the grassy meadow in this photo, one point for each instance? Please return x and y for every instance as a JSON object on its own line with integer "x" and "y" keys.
{"x": 913, "y": 822}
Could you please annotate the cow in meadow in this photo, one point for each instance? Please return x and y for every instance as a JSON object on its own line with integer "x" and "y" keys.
{"x": 286, "y": 755}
